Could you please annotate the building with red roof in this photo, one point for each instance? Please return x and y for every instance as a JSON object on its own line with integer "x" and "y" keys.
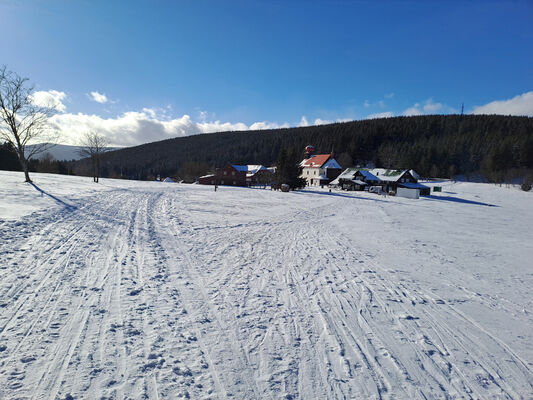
{"x": 320, "y": 169}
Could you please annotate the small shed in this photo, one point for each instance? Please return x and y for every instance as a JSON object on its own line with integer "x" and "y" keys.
{"x": 408, "y": 193}
{"x": 423, "y": 189}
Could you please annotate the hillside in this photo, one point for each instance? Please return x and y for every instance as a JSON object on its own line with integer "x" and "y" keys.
{"x": 438, "y": 145}
{"x": 61, "y": 152}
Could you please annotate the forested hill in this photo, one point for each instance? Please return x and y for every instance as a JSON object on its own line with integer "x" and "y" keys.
{"x": 436, "y": 145}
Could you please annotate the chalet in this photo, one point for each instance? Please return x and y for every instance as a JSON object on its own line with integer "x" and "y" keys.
{"x": 255, "y": 174}
{"x": 347, "y": 181}
{"x": 320, "y": 169}
{"x": 238, "y": 175}
{"x": 385, "y": 179}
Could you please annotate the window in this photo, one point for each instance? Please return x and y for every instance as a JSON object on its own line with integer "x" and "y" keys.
{"x": 221, "y": 182}
{"x": 234, "y": 182}
{"x": 233, "y": 173}
{"x": 212, "y": 182}
{"x": 225, "y": 172}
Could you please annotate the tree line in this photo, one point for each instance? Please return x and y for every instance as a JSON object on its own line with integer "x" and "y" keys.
{"x": 496, "y": 147}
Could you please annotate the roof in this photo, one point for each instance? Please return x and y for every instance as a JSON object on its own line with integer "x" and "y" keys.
{"x": 369, "y": 175}
{"x": 207, "y": 176}
{"x": 415, "y": 175}
{"x": 318, "y": 161}
{"x": 383, "y": 174}
{"x": 358, "y": 182}
{"x": 332, "y": 164}
{"x": 250, "y": 170}
{"x": 374, "y": 174}
{"x": 348, "y": 173}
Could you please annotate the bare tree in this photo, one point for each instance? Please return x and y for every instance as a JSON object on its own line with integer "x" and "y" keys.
{"x": 93, "y": 145}
{"x": 23, "y": 123}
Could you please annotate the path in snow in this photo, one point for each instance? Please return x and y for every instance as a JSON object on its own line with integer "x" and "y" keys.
{"x": 158, "y": 293}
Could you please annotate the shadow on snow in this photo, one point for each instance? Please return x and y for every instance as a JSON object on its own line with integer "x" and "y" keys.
{"x": 336, "y": 194}
{"x": 458, "y": 200}
{"x": 69, "y": 207}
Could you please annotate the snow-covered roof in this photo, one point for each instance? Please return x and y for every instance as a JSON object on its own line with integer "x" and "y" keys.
{"x": 369, "y": 175}
{"x": 249, "y": 169}
{"x": 332, "y": 164}
{"x": 208, "y": 176}
{"x": 415, "y": 175}
{"x": 320, "y": 161}
{"x": 391, "y": 175}
{"x": 348, "y": 173}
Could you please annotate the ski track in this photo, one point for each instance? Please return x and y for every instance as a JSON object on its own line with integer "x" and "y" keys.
{"x": 130, "y": 295}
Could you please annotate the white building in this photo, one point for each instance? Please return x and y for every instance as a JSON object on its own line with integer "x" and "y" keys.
{"x": 320, "y": 169}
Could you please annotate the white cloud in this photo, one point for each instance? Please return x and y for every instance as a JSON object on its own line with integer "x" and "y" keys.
{"x": 148, "y": 125}
{"x": 386, "y": 114}
{"x": 303, "y": 121}
{"x": 133, "y": 128}
{"x": 429, "y": 107}
{"x": 367, "y": 104}
{"x": 320, "y": 121}
{"x": 389, "y": 95}
{"x": 415, "y": 110}
{"x": 51, "y": 99}
{"x": 98, "y": 97}
{"x": 518, "y": 105}
{"x": 267, "y": 125}
{"x": 137, "y": 127}
{"x": 203, "y": 115}
{"x": 217, "y": 126}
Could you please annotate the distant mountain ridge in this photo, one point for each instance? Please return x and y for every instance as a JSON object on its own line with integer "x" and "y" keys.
{"x": 432, "y": 145}
{"x": 62, "y": 152}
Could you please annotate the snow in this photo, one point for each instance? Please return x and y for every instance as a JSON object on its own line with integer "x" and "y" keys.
{"x": 331, "y": 163}
{"x": 249, "y": 169}
{"x": 126, "y": 289}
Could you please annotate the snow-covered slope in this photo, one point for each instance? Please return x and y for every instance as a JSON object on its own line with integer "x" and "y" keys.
{"x": 143, "y": 290}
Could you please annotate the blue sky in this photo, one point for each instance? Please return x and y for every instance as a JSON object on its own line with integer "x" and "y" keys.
{"x": 185, "y": 67}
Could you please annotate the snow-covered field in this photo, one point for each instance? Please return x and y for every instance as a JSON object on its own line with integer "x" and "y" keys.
{"x": 148, "y": 290}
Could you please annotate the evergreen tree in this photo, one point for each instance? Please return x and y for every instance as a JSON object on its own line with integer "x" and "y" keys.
{"x": 288, "y": 170}
{"x": 9, "y": 160}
